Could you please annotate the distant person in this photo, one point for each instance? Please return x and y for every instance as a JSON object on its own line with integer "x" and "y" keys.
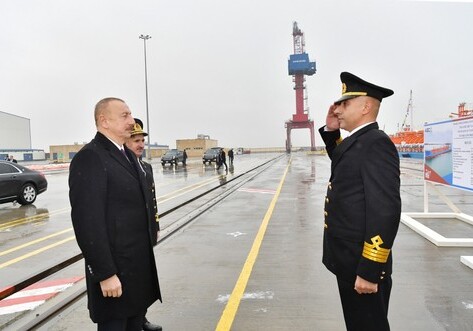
{"x": 363, "y": 204}
{"x": 12, "y": 159}
{"x": 230, "y": 156}
{"x": 223, "y": 159}
{"x": 184, "y": 157}
{"x": 136, "y": 143}
{"x": 218, "y": 161}
{"x": 112, "y": 224}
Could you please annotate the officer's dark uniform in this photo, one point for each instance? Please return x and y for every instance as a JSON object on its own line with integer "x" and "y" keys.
{"x": 152, "y": 205}
{"x": 362, "y": 213}
{"x": 150, "y": 180}
{"x": 148, "y": 169}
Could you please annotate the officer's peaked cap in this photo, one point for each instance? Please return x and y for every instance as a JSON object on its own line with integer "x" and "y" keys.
{"x": 353, "y": 86}
{"x": 138, "y": 128}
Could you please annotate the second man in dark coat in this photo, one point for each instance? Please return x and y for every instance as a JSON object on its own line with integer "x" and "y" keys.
{"x": 136, "y": 143}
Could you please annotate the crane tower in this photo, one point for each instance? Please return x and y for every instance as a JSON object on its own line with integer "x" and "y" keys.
{"x": 299, "y": 66}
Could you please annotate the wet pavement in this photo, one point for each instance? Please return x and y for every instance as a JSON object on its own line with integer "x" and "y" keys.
{"x": 259, "y": 249}
{"x": 38, "y": 236}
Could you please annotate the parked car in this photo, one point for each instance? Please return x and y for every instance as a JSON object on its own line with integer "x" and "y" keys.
{"x": 210, "y": 155}
{"x": 172, "y": 156}
{"x": 18, "y": 183}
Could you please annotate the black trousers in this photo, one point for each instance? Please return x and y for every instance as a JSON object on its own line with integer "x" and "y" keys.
{"x": 365, "y": 312}
{"x": 133, "y": 323}
{"x": 220, "y": 164}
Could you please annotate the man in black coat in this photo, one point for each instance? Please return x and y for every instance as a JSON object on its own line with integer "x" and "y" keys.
{"x": 184, "y": 157}
{"x": 230, "y": 156}
{"x": 363, "y": 204}
{"x": 113, "y": 226}
{"x": 136, "y": 143}
{"x": 223, "y": 160}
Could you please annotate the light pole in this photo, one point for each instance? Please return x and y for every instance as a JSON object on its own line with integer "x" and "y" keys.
{"x": 146, "y": 37}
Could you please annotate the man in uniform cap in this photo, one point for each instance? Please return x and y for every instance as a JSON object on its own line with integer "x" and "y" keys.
{"x": 363, "y": 204}
{"x": 136, "y": 143}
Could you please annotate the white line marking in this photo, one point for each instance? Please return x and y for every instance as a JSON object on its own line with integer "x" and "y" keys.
{"x": 260, "y": 295}
{"x": 40, "y": 291}
{"x": 236, "y": 234}
{"x": 20, "y": 307}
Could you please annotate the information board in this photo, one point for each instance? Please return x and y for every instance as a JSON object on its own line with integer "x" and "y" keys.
{"x": 448, "y": 152}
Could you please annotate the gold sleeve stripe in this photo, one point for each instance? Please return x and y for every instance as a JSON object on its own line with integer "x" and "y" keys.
{"x": 374, "y": 252}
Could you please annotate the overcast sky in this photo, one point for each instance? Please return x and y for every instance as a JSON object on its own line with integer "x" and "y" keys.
{"x": 219, "y": 67}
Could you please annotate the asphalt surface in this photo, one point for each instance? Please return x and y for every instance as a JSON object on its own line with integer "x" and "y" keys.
{"x": 253, "y": 261}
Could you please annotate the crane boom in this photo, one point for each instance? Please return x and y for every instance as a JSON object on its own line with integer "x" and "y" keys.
{"x": 404, "y": 126}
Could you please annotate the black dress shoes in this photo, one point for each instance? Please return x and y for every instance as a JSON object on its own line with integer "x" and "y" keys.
{"x": 148, "y": 326}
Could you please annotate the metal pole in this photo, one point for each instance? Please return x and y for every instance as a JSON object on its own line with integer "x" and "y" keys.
{"x": 146, "y": 37}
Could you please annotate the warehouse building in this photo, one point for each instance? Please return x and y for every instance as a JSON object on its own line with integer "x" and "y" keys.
{"x": 196, "y": 147}
{"x": 15, "y": 138}
{"x": 15, "y": 132}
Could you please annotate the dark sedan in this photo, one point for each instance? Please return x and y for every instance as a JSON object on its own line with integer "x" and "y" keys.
{"x": 172, "y": 156}
{"x": 211, "y": 155}
{"x": 18, "y": 183}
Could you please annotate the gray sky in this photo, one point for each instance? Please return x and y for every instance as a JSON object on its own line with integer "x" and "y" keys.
{"x": 219, "y": 67}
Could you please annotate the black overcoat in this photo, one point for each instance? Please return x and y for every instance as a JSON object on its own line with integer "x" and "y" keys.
{"x": 111, "y": 220}
{"x": 363, "y": 204}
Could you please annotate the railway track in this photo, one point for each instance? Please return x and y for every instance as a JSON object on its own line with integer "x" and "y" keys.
{"x": 189, "y": 211}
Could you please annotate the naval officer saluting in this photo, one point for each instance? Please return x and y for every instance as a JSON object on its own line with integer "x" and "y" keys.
{"x": 363, "y": 204}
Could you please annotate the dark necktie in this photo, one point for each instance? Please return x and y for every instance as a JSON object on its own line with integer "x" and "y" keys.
{"x": 124, "y": 154}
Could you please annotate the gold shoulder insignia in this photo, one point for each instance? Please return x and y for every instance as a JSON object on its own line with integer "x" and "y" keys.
{"x": 374, "y": 252}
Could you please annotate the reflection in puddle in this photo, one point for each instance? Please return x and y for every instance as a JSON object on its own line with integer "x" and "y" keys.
{"x": 12, "y": 217}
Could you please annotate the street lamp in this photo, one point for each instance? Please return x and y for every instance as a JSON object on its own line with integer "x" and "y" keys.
{"x": 146, "y": 37}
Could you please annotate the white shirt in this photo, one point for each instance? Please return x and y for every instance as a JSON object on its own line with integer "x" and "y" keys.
{"x": 120, "y": 147}
{"x": 359, "y": 128}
